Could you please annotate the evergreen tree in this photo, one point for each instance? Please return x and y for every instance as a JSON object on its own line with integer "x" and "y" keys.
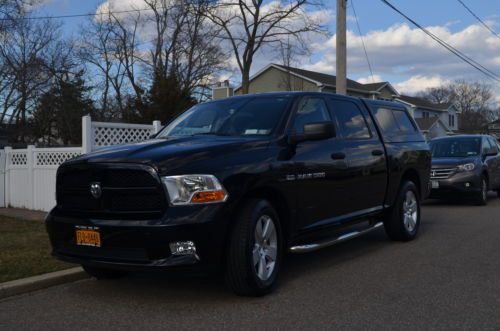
{"x": 58, "y": 117}
{"x": 165, "y": 100}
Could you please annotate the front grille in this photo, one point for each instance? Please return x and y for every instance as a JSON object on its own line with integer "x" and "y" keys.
{"x": 442, "y": 173}
{"x": 127, "y": 191}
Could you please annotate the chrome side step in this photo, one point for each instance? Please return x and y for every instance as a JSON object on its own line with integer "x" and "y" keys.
{"x": 329, "y": 242}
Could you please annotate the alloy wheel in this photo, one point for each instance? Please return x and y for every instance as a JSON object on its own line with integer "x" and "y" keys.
{"x": 410, "y": 211}
{"x": 265, "y": 248}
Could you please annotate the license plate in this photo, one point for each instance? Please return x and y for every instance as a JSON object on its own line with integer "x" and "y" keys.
{"x": 435, "y": 184}
{"x": 88, "y": 236}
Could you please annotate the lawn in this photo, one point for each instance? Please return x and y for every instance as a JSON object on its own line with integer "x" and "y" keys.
{"x": 25, "y": 250}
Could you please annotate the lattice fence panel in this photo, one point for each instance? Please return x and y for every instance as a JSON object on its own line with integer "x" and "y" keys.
{"x": 105, "y": 136}
{"x": 18, "y": 158}
{"x": 54, "y": 158}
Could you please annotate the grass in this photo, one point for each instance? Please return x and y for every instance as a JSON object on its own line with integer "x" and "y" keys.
{"x": 25, "y": 250}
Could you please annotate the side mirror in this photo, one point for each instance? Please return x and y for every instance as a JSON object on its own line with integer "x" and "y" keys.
{"x": 316, "y": 131}
{"x": 491, "y": 152}
{"x": 153, "y": 136}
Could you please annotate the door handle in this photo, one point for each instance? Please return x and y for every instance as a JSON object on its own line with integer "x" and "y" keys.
{"x": 377, "y": 152}
{"x": 338, "y": 156}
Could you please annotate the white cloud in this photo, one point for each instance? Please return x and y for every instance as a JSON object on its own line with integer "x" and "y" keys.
{"x": 419, "y": 83}
{"x": 406, "y": 51}
{"x": 370, "y": 79}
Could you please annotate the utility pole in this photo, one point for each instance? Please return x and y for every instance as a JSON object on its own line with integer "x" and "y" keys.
{"x": 341, "y": 61}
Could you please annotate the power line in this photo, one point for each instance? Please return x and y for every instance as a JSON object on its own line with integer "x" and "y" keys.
{"x": 362, "y": 41}
{"x": 74, "y": 15}
{"x": 479, "y": 19}
{"x": 450, "y": 48}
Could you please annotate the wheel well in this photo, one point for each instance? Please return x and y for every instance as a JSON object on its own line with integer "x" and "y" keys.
{"x": 279, "y": 203}
{"x": 412, "y": 175}
{"x": 485, "y": 174}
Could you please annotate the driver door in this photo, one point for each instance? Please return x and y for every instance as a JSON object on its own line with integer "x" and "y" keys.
{"x": 319, "y": 167}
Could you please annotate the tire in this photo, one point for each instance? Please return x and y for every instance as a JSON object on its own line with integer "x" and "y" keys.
{"x": 100, "y": 273}
{"x": 250, "y": 270}
{"x": 482, "y": 196}
{"x": 403, "y": 220}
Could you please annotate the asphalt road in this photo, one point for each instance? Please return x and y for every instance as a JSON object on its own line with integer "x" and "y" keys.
{"x": 447, "y": 279}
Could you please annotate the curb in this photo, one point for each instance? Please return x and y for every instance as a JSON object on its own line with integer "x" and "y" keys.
{"x": 30, "y": 284}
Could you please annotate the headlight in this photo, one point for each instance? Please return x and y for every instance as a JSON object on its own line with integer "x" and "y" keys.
{"x": 466, "y": 167}
{"x": 194, "y": 189}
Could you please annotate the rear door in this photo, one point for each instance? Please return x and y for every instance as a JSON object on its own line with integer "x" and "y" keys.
{"x": 367, "y": 172}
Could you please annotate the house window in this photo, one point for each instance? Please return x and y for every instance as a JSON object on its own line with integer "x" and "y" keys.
{"x": 451, "y": 120}
{"x": 425, "y": 114}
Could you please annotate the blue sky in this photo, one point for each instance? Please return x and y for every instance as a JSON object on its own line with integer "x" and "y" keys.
{"x": 416, "y": 62}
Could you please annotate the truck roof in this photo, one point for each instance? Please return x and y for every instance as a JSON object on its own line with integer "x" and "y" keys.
{"x": 370, "y": 102}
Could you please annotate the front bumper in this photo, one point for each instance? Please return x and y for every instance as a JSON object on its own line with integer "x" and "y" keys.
{"x": 459, "y": 184}
{"x": 144, "y": 244}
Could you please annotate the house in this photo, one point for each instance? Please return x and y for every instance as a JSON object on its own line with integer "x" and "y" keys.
{"x": 493, "y": 128}
{"x": 432, "y": 127}
{"x": 276, "y": 77}
{"x": 422, "y": 108}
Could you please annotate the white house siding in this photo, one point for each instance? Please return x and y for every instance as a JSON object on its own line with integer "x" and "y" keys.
{"x": 444, "y": 118}
{"x": 437, "y": 130}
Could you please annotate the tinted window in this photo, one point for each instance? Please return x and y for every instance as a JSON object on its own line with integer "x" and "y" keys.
{"x": 238, "y": 117}
{"x": 351, "y": 120}
{"x": 459, "y": 147}
{"x": 403, "y": 120}
{"x": 310, "y": 110}
{"x": 493, "y": 144}
{"x": 386, "y": 120}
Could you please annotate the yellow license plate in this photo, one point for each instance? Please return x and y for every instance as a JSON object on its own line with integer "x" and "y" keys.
{"x": 88, "y": 237}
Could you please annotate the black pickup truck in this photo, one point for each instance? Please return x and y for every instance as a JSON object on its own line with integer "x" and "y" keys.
{"x": 234, "y": 184}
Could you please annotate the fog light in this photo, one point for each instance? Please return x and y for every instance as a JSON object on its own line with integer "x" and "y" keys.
{"x": 467, "y": 184}
{"x": 183, "y": 248}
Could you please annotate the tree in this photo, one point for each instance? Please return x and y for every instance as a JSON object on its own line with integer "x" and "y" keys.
{"x": 250, "y": 26}
{"x": 180, "y": 51}
{"x": 58, "y": 115}
{"x": 472, "y": 100}
{"x": 166, "y": 99}
{"x": 31, "y": 54}
{"x": 441, "y": 94}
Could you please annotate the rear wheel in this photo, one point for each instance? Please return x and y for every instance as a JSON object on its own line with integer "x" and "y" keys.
{"x": 482, "y": 197}
{"x": 254, "y": 255}
{"x": 403, "y": 220}
{"x": 100, "y": 273}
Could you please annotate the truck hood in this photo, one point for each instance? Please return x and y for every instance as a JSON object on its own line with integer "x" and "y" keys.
{"x": 445, "y": 162}
{"x": 176, "y": 150}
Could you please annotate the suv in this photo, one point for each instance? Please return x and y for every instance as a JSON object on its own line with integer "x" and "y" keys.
{"x": 234, "y": 184}
{"x": 465, "y": 165}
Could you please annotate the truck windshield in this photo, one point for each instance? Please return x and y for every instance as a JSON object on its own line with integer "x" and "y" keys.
{"x": 230, "y": 117}
{"x": 460, "y": 147}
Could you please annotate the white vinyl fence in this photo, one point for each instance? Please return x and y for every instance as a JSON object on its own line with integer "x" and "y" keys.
{"x": 2, "y": 178}
{"x": 28, "y": 176}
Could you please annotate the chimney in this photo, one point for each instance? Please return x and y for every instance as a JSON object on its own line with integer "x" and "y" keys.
{"x": 222, "y": 90}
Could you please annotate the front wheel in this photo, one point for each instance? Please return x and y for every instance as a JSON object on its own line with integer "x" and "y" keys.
{"x": 482, "y": 197}
{"x": 255, "y": 248}
{"x": 403, "y": 220}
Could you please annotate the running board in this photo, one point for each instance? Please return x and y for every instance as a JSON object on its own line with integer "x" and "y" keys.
{"x": 329, "y": 242}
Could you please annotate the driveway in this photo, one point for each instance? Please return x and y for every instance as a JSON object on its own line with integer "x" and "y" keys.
{"x": 449, "y": 278}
